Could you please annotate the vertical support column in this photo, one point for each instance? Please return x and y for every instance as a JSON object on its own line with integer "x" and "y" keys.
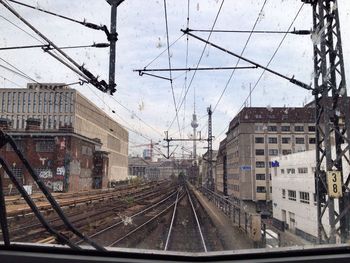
{"x": 210, "y": 151}
{"x": 3, "y": 218}
{"x": 332, "y": 119}
{"x": 113, "y": 37}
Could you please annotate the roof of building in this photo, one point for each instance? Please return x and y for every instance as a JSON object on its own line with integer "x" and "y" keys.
{"x": 274, "y": 115}
{"x": 137, "y": 161}
{"x": 50, "y": 133}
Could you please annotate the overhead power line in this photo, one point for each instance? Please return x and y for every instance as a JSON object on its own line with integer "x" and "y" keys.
{"x": 242, "y": 52}
{"x": 271, "y": 59}
{"x": 87, "y": 75}
{"x": 292, "y": 79}
{"x": 84, "y": 23}
{"x": 96, "y": 45}
{"x": 141, "y": 71}
{"x": 295, "y": 32}
{"x": 199, "y": 61}
{"x": 169, "y": 63}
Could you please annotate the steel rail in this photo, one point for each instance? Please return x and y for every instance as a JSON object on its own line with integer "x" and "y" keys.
{"x": 172, "y": 222}
{"x": 198, "y": 224}
{"x": 144, "y": 224}
{"x": 99, "y": 210}
{"x": 121, "y": 221}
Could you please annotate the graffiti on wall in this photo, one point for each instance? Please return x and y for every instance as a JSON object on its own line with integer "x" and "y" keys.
{"x": 61, "y": 171}
{"x": 57, "y": 186}
{"x": 47, "y": 173}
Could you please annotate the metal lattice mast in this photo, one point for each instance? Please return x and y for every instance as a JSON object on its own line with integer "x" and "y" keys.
{"x": 332, "y": 124}
{"x": 210, "y": 150}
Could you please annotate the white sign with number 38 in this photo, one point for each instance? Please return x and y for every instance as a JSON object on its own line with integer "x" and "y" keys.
{"x": 334, "y": 184}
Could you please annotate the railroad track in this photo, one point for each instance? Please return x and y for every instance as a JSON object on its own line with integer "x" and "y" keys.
{"x": 17, "y": 207}
{"x": 130, "y": 223}
{"x": 85, "y": 219}
{"x": 173, "y": 226}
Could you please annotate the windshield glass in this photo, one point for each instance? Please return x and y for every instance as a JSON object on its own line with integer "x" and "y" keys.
{"x": 191, "y": 126}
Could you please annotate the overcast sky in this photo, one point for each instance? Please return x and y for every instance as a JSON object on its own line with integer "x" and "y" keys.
{"x": 142, "y": 37}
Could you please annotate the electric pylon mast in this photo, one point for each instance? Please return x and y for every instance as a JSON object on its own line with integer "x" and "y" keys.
{"x": 332, "y": 124}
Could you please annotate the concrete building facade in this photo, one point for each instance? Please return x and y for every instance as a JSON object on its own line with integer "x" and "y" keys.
{"x": 221, "y": 169}
{"x": 293, "y": 194}
{"x": 57, "y": 105}
{"x": 255, "y": 137}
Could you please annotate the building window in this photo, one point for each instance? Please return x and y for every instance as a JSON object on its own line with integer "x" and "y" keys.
{"x": 56, "y": 102}
{"x": 272, "y": 128}
{"x": 312, "y": 140}
{"x": 35, "y": 102}
{"x": 312, "y": 128}
{"x": 51, "y": 102}
{"x": 302, "y": 170}
{"x": 285, "y": 140}
{"x": 286, "y": 152}
{"x": 261, "y": 189}
{"x": 284, "y": 193}
{"x": 290, "y": 171}
{"x": 29, "y": 102}
{"x": 61, "y": 102}
{"x": 45, "y": 146}
{"x": 271, "y": 189}
{"x": 86, "y": 150}
{"x": 9, "y": 102}
{"x": 304, "y": 197}
{"x": 282, "y": 171}
{"x": 259, "y": 152}
{"x": 236, "y": 187}
{"x": 299, "y": 140}
{"x": 259, "y": 139}
{"x": 3, "y": 102}
{"x": 45, "y": 101}
{"x": 260, "y": 176}
{"x": 260, "y": 164}
{"x": 299, "y": 128}
{"x": 20, "y": 145}
{"x": 285, "y": 128}
{"x": 24, "y": 102}
{"x": 40, "y": 102}
{"x": 273, "y": 140}
{"x": 18, "y": 102}
{"x": 17, "y": 172}
{"x": 71, "y": 102}
{"x": 292, "y": 195}
{"x": 273, "y": 152}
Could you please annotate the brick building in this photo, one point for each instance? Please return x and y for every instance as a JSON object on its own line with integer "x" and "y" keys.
{"x": 63, "y": 160}
{"x": 57, "y": 105}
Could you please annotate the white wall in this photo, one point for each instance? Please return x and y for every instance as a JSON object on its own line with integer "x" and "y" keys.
{"x": 305, "y": 214}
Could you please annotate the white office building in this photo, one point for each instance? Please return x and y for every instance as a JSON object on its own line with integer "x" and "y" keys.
{"x": 293, "y": 194}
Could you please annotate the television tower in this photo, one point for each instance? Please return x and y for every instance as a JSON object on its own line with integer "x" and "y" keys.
{"x": 194, "y": 125}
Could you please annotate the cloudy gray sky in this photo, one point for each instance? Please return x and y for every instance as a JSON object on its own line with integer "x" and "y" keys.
{"x": 142, "y": 37}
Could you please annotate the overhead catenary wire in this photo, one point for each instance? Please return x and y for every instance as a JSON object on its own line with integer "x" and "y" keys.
{"x": 6, "y": 79}
{"x": 169, "y": 63}
{"x": 84, "y": 23}
{"x": 295, "y": 32}
{"x": 102, "y": 85}
{"x": 263, "y": 72}
{"x": 96, "y": 45}
{"x": 242, "y": 52}
{"x": 27, "y": 77}
{"x": 165, "y": 50}
{"x": 199, "y": 61}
